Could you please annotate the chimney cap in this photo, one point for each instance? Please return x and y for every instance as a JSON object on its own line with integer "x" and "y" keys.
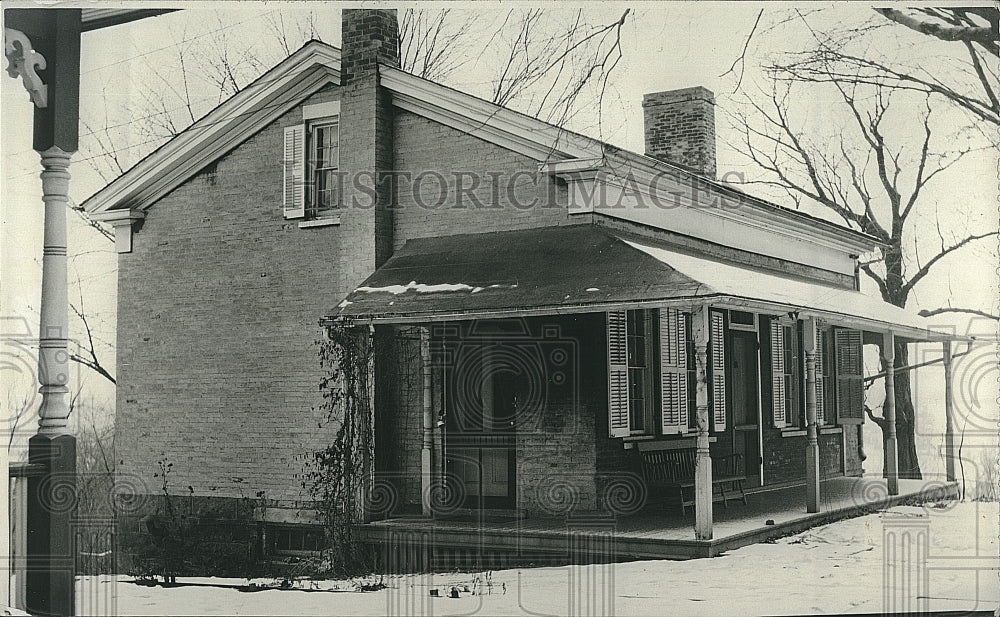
{"x": 678, "y": 96}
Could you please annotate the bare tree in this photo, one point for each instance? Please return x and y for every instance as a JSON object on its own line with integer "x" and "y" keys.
{"x": 547, "y": 65}
{"x": 970, "y": 82}
{"x": 433, "y": 44}
{"x": 868, "y": 171}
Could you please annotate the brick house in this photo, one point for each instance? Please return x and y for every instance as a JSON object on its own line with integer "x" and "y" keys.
{"x": 563, "y": 311}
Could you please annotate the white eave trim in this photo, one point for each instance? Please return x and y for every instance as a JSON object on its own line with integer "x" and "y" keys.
{"x": 749, "y": 212}
{"x": 222, "y": 129}
{"x": 480, "y": 118}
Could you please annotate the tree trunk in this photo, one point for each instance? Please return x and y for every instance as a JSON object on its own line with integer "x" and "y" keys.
{"x": 896, "y": 294}
{"x": 909, "y": 467}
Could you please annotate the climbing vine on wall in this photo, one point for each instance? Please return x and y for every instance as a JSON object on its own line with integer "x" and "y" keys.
{"x": 339, "y": 477}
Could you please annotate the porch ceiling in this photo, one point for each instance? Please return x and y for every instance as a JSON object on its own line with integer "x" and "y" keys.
{"x": 585, "y": 268}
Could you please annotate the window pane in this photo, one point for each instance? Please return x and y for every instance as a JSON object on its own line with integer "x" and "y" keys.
{"x": 324, "y": 159}
{"x": 636, "y": 398}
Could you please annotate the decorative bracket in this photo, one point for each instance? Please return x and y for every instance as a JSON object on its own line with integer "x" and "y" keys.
{"x": 24, "y": 61}
{"x": 124, "y": 223}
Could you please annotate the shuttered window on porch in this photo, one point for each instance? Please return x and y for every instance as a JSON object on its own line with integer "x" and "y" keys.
{"x": 778, "y": 374}
{"x": 294, "y": 194}
{"x": 673, "y": 372}
{"x": 820, "y": 381}
{"x": 849, "y": 376}
{"x": 717, "y": 345}
{"x": 618, "y": 417}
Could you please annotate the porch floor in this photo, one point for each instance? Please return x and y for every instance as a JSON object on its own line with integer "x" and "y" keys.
{"x": 662, "y": 535}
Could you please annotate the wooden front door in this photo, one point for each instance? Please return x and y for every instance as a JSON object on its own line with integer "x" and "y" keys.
{"x": 480, "y": 441}
{"x": 744, "y": 384}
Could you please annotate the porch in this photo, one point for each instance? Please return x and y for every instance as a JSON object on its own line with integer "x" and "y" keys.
{"x": 466, "y": 541}
{"x": 587, "y": 352}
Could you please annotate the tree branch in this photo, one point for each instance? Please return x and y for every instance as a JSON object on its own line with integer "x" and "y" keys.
{"x": 984, "y": 36}
{"x": 949, "y": 309}
{"x": 922, "y": 272}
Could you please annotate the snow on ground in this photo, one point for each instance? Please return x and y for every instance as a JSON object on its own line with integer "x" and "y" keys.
{"x": 837, "y": 568}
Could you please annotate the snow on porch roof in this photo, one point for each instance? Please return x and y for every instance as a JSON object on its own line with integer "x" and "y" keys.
{"x": 572, "y": 268}
{"x": 586, "y": 268}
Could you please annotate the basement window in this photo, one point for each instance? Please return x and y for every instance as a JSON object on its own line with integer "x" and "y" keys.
{"x": 294, "y": 539}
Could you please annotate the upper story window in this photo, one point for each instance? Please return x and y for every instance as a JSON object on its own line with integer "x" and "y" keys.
{"x": 311, "y": 165}
{"x": 324, "y": 161}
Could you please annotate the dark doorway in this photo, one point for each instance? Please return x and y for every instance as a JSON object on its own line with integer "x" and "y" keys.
{"x": 744, "y": 387}
{"x": 480, "y": 449}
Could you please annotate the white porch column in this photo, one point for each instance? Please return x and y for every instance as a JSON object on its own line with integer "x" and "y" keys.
{"x": 703, "y": 457}
{"x": 53, "y": 354}
{"x": 949, "y": 415}
{"x": 427, "y": 445}
{"x": 889, "y": 411}
{"x": 809, "y": 346}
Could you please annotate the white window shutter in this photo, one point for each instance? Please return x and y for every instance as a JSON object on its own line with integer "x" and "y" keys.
{"x": 778, "y": 374}
{"x": 294, "y": 204}
{"x": 718, "y": 344}
{"x": 673, "y": 372}
{"x": 820, "y": 381}
{"x": 618, "y": 425}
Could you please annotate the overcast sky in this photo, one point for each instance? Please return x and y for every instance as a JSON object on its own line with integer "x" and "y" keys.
{"x": 665, "y": 46}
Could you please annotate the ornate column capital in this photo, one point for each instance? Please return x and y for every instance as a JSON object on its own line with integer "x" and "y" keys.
{"x": 24, "y": 62}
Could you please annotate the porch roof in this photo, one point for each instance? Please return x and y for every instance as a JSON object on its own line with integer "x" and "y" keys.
{"x": 587, "y": 268}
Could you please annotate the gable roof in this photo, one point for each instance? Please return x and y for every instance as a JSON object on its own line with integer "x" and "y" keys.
{"x": 272, "y": 94}
{"x": 316, "y": 64}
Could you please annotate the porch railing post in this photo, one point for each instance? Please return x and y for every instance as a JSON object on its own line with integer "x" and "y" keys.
{"x": 703, "y": 456}
{"x": 889, "y": 411}
{"x": 949, "y": 415}
{"x": 428, "y": 420}
{"x": 812, "y": 430}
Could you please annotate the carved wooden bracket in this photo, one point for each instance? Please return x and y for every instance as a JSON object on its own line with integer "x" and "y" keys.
{"x": 24, "y": 61}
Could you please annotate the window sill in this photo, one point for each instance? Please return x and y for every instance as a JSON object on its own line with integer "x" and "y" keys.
{"x": 793, "y": 432}
{"x": 801, "y": 432}
{"x": 661, "y": 442}
{"x": 320, "y": 222}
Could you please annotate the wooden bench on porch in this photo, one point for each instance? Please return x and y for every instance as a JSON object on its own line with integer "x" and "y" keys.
{"x": 674, "y": 470}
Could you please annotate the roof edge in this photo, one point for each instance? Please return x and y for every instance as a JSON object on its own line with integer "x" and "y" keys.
{"x": 218, "y": 131}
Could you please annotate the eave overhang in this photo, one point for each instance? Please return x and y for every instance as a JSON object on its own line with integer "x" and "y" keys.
{"x": 655, "y": 179}
{"x": 585, "y": 269}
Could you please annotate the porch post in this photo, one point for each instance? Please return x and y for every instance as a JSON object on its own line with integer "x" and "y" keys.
{"x": 889, "y": 411}
{"x": 49, "y": 40}
{"x": 812, "y": 438}
{"x": 949, "y": 415}
{"x": 428, "y": 420}
{"x": 703, "y": 457}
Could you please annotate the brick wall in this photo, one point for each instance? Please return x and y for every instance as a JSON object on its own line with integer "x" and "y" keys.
{"x": 852, "y": 443}
{"x": 680, "y": 128}
{"x": 516, "y": 197}
{"x": 218, "y": 307}
{"x": 559, "y": 450}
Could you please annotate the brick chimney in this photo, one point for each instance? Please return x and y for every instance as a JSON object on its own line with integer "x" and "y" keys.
{"x": 370, "y": 37}
{"x": 680, "y": 128}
